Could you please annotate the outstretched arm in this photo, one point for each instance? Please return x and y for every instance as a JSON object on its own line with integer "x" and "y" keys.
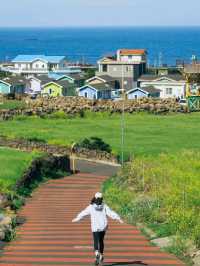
{"x": 82, "y": 214}
{"x": 113, "y": 215}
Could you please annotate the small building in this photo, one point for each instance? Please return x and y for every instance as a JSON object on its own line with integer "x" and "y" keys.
{"x": 170, "y": 86}
{"x": 138, "y": 93}
{"x": 96, "y": 91}
{"x": 13, "y": 84}
{"x": 52, "y": 89}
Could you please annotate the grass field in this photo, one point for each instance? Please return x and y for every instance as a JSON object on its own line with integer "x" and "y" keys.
{"x": 12, "y": 164}
{"x": 144, "y": 133}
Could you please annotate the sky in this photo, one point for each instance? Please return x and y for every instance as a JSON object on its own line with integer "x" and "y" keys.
{"x": 67, "y": 13}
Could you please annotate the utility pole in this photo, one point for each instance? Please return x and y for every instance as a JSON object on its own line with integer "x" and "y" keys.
{"x": 122, "y": 118}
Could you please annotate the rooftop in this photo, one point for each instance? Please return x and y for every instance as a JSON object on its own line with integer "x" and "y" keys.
{"x": 148, "y": 77}
{"x": 15, "y": 80}
{"x": 99, "y": 86}
{"x": 30, "y": 58}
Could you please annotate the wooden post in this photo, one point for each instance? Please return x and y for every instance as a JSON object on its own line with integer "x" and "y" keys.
{"x": 73, "y": 158}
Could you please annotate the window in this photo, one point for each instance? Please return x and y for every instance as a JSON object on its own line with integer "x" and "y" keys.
{"x": 86, "y": 94}
{"x": 50, "y": 91}
{"x": 43, "y": 65}
{"x": 130, "y": 57}
{"x": 104, "y": 68}
{"x": 169, "y": 91}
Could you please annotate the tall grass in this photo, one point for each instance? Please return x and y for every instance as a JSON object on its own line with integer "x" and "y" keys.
{"x": 161, "y": 191}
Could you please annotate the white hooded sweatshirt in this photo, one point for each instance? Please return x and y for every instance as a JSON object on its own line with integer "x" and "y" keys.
{"x": 98, "y": 215}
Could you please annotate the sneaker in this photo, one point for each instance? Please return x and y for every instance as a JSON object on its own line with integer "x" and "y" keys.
{"x": 101, "y": 258}
{"x": 97, "y": 259}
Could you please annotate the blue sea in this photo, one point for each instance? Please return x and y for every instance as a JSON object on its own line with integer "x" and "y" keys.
{"x": 164, "y": 44}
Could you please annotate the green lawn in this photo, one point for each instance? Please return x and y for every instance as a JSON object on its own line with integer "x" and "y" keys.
{"x": 12, "y": 164}
{"x": 144, "y": 133}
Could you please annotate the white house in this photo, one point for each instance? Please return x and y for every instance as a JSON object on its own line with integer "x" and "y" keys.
{"x": 170, "y": 86}
{"x": 138, "y": 93}
{"x": 28, "y": 65}
{"x": 36, "y": 83}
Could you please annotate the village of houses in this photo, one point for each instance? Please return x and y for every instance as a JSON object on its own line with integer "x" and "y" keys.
{"x": 125, "y": 74}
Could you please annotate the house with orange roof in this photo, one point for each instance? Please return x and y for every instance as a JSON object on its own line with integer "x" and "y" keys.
{"x": 126, "y": 66}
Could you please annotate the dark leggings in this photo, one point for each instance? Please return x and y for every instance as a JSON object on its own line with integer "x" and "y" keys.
{"x": 99, "y": 241}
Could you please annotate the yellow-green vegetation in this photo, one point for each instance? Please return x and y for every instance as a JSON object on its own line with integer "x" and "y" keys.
{"x": 13, "y": 163}
{"x": 145, "y": 134}
{"x": 161, "y": 191}
{"x": 11, "y": 104}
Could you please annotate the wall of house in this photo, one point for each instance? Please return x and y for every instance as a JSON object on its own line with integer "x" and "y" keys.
{"x": 4, "y": 88}
{"x": 62, "y": 64}
{"x": 91, "y": 93}
{"x": 115, "y": 70}
{"x": 18, "y": 88}
{"x": 136, "y": 95}
{"x": 178, "y": 89}
{"x": 52, "y": 90}
{"x": 22, "y": 65}
{"x": 105, "y": 94}
{"x": 35, "y": 85}
{"x": 39, "y": 64}
{"x": 133, "y": 58}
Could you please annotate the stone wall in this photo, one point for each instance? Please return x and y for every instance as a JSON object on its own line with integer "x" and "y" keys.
{"x": 42, "y": 166}
{"x": 72, "y": 105}
{"x": 26, "y": 145}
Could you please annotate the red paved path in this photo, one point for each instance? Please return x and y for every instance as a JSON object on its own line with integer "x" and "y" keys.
{"x": 49, "y": 238}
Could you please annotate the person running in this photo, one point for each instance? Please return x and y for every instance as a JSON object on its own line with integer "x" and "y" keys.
{"x": 98, "y": 212}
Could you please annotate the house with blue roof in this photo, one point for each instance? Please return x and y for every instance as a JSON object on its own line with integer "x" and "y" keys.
{"x": 29, "y": 65}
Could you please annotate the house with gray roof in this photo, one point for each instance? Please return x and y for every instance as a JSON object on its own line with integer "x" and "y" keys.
{"x": 105, "y": 79}
{"x": 97, "y": 91}
{"x": 13, "y": 84}
{"x": 145, "y": 92}
{"x": 170, "y": 86}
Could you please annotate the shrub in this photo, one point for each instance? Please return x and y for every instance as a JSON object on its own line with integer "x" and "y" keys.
{"x": 94, "y": 143}
{"x": 59, "y": 115}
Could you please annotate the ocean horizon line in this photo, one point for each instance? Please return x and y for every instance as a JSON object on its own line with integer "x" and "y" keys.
{"x": 99, "y": 27}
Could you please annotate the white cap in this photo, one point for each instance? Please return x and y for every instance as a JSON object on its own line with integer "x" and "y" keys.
{"x": 98, "y": 195}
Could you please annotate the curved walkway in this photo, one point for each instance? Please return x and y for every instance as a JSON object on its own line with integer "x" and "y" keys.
{"x": 49, "y": 238}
